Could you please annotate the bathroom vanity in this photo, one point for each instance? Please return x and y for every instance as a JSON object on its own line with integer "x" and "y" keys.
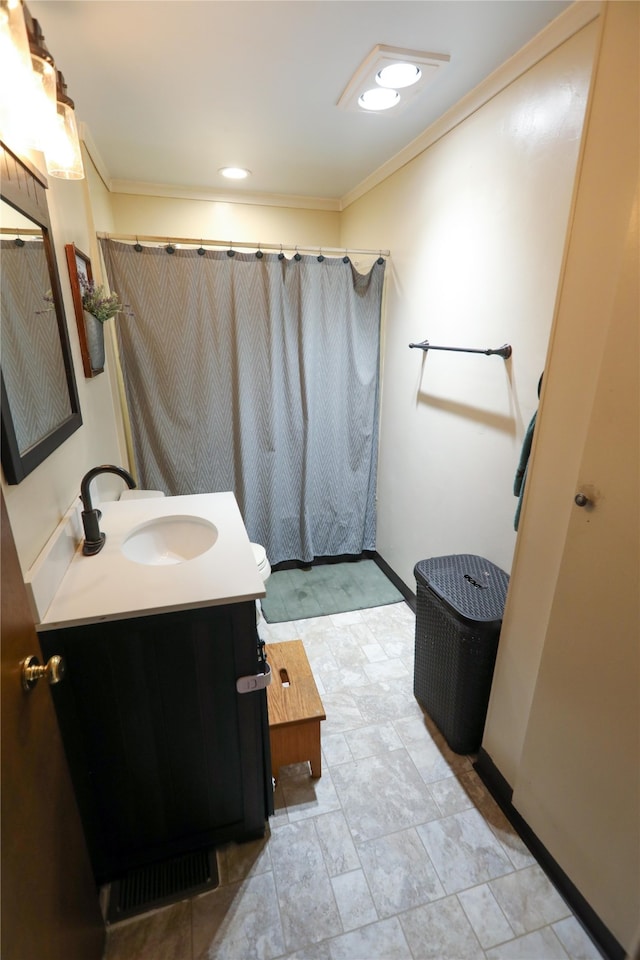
{"x": 166, "y": 755}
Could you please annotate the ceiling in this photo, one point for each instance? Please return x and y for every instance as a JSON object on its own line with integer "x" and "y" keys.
{"x": 172, "y": 90}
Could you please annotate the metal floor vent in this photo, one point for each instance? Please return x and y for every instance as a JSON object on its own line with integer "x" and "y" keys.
{"x": 159, "y": 884}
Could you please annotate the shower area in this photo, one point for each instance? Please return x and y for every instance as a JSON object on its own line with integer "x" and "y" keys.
{"x": 255, "y": 372}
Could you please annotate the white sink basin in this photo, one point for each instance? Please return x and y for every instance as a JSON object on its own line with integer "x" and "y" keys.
{"x": 166, "y": 540}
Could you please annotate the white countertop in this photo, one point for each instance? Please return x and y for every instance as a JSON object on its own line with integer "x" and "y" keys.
{"x": 108, "y": 586}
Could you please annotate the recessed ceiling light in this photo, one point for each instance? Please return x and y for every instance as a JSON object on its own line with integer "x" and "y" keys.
{"x": 379, "y": 98}
{"x": 398, "y": 75}
{"x": 234, "y": 173}
{"x": 391, "y": 68}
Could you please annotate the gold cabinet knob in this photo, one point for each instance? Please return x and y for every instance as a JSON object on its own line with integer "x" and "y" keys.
{"x": 33, "y": 670}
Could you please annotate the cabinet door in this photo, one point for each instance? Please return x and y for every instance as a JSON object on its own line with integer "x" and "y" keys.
{"x": 157, "y": 737}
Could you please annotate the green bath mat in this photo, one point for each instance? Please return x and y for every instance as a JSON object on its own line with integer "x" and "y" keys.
{"x": 326, "y": 588}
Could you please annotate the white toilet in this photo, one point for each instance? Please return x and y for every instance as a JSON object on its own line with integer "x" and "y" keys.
{"x": 264, "y": 569}
{"x": 260, "y": 555}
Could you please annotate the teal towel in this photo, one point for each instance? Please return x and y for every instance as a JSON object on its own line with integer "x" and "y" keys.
{"x": 521, "y": 472}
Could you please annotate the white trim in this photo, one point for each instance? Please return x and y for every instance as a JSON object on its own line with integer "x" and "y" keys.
{"x": 574, "y": 18}
{"x": 85, "y": 136}
{"x": 140, "y": 188}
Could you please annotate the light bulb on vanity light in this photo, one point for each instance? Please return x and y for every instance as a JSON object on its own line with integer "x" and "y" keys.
{"x": 16, "y": 75}
{"x": 63, "y": 154}
{"x": 42, "y": 93}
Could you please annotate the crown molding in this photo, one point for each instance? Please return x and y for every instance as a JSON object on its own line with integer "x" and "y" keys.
{"x": 573, "y": 19}
{"x": 84, "y": 134}
{"x": 140, "y": 188}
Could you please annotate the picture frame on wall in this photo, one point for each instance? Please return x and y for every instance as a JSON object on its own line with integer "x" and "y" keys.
{"x": 90, "y": 330}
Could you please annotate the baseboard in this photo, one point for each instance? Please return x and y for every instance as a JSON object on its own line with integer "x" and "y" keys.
{"x": 502, "y": 793}
{"x": 399, "y": 584}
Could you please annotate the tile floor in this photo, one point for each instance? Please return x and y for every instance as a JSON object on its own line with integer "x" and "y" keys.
{"x": 397, "y": 852}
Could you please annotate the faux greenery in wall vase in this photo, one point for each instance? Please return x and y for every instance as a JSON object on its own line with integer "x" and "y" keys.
{"x": 94, "y": 332}
{"x": 93, "y": 307}
{"x": 98, "y": 307}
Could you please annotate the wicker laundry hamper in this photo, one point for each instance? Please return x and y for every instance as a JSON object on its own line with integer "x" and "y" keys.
{"x": 460, "y": 603}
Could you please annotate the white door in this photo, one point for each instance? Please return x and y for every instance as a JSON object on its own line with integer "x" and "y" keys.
{"x": 577, "y": 784}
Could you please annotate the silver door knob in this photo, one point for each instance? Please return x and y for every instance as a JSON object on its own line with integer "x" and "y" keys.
{"x": 33, "y": 670}
{"x": 581, "y": 500}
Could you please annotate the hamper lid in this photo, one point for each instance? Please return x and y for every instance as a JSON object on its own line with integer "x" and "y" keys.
{"x": 474, "y": 587}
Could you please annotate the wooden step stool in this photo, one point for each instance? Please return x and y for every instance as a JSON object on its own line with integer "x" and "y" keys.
{"x": 295, "y": 708}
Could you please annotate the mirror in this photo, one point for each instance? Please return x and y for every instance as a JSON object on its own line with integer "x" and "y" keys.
{"x": 40, "y": 406}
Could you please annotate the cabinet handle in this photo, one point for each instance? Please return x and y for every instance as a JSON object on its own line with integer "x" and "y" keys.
{"x": 32, "y": 671}
{"x": 581, "y": 500}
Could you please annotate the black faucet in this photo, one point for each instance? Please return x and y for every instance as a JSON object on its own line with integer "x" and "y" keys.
{"x": 94, "y": 540}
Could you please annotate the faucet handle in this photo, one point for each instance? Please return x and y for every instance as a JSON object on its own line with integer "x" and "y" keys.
{"x": 91, "y": 547}
{"x": 93, "y": 538}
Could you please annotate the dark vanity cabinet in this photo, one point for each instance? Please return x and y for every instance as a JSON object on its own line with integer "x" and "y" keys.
{"x": 166, "y": 756}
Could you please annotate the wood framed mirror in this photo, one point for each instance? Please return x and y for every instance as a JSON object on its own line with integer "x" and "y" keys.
{"x": 39, "y": 403}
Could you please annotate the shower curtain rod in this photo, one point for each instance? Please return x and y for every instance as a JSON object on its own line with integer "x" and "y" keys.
{"x": 23, "y": 231}
{"x": 504, "y": 351}
{"x": 230, "y": 244}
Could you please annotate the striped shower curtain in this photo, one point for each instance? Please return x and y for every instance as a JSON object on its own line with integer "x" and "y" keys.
{"x": 256, "y": 374}
{"x": 32, "y": 360}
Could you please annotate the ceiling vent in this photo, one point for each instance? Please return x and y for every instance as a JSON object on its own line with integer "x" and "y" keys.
{"x": 369, "y": 78}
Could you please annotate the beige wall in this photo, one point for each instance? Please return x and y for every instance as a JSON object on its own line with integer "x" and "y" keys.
{"x": 476, "y": 227}
{"x": 36, "y": 505}
{"x": 217, "y": 220}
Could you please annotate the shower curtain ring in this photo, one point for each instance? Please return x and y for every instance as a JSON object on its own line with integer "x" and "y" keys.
{"x": 137, "y": 246}
{"x": 320, "y": 256}
{"x": 170, "y": 247}
{"x": 297, "y": 256}
{"x": 231, "y": 252}
{"x": 281, "y": 254}
{"x": 201, "y": 250}
{"x": 259, "y": 253}
{"x": 345, "y": 259}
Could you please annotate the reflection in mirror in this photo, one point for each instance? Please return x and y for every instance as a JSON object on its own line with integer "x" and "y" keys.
{"x": 40, "y": 406}
{"x": 32, "y": 362}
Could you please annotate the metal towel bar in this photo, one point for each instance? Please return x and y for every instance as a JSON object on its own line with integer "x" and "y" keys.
{"x": 504, "y": 351}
